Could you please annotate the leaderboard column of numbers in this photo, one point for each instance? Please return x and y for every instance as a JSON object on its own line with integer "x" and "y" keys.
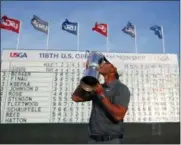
{"x": 58, "y": 93}
{"x": 144, "y": 106}
{"x": 162, "y": 90}
{"x": 51, "y": 68}
{"x": 66, "y": 96}
{"x": 29, "y": 91}
{"x": 74, "y": 83}
{"x": 77, "y": 112}
{"x": 157, "y": 91}
{"x": 142, "y": 93}
{"x": 171, "y": 86}
{"x": 60, "y": 98}
{"x": 71, "y": 80}
{"x": 137, "y": 80}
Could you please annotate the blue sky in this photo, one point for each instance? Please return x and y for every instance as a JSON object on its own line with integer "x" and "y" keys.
{"x": 143, "y": 14}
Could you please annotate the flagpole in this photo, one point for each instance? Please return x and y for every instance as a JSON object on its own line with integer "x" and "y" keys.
{"x": 78, "y": 37}
{"x": 163, "y": 40}
{"x": 18, "y": 37}
{"x": 47, "y": 36}
{"x": 135, "y": 40}
{"x": 107, "y": 40}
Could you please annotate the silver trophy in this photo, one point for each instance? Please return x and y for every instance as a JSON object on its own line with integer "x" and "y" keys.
{"x": 91, "y": 76}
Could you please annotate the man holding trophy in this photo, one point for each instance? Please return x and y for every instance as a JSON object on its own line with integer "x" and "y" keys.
{"x": 109, "y": 100}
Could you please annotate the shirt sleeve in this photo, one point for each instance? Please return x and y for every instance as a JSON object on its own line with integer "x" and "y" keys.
{"x": 122, "y": 96}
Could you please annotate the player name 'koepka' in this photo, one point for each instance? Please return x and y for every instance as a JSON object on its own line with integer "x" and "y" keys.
{"x": 20, "y": 84}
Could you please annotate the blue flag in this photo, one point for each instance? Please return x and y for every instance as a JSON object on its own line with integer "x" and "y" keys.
{"x": 158, "y": 31}
{"x": 129, "y": 29}
{"x": 71, "y": 27}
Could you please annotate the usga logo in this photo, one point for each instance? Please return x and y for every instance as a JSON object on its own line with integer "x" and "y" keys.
{"x": 18, "y": 55}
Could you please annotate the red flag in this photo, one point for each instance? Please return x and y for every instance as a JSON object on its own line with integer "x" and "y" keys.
{"x": 10, "y": 24}
{"x": 101, "y": 28}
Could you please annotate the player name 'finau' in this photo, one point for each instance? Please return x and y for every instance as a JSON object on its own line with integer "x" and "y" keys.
{"x": 19, "y": 78}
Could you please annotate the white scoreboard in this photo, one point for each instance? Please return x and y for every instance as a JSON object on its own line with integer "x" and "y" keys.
{"x": 36, "y": 86}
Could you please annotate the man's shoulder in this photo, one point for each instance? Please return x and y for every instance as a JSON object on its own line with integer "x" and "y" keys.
{"x": 121, "y": 87}
{"x": 119, "y": 84}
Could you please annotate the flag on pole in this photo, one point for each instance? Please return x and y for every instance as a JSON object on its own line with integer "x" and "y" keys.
{"x": 131, "y": 30}
{"x": 41, "y": 26}
{"x": 102, "y": 28}
{"x": 73, "y": 28}
{"x": 11, "y": 24}
{"x": 158, "y": 30}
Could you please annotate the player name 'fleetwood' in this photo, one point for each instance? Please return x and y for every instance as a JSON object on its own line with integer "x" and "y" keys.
{"x": 23, "y": 103}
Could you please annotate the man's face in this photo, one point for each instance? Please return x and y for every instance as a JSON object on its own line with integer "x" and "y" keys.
{"x": 106, "y": 68}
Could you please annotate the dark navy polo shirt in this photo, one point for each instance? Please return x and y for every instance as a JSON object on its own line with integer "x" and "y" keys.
{"x": 101, "y": 123}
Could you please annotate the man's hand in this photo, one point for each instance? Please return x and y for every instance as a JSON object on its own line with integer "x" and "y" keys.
{"x": 99, "y": 89}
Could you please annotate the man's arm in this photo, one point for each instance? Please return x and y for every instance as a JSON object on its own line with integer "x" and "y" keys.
{"x": 119, "y": 106}
{"x": 80, "y": 95}
{"x": 80, "y": 99}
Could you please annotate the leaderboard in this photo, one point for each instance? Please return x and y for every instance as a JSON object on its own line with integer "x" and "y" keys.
{"x": 36, "y": 86}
